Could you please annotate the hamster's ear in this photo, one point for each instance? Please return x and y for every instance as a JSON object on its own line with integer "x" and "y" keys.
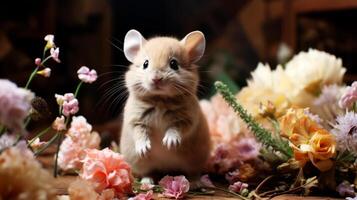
{"x": 133, "y": 42}
{"x": 195, "y": 44}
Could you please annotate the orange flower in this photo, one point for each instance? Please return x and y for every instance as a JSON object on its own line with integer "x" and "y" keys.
{"x": 309, "y": 140}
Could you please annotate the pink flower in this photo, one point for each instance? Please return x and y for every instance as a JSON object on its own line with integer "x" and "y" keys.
{"x": 55, "y": 54}
{"x": 78, "y": 138}
{"x": 349, "y": 97}
{"x": 107, "y": 170}
{"x": 45, "y": 72}
{"x": 246, "y": 148}
{"x": 69, "y": 103}
{"x": 38, "y": 61}
{"x": 37, "y": 144}
{"x": 50, "y": 41}
{"x": 15, "y": 104}
{"x": 86, "y": 75}
{"x": 6, "y": 141}
{"x": 224, "y": 124}
{"x": 143, "y": 196}
{"x": 59, "y": 124}
{"x": 238, "y": 187}
{"x": 206, "y": 181}
{"x": 174, "y": 187}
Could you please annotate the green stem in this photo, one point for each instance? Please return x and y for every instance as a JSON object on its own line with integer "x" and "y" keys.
{"x": 56, "y": 158}
{"x": 78, "y": 87}
{"x": 262, "y": 134}
{"x": 33, "y": 74}
{"x": 45, "y": 60}
{"x": 50, "y": 142}
{"x": 27, "y": 121}
{"x": 40, "y": 134}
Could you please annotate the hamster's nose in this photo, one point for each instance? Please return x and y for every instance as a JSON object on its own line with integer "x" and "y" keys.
{"x": 157, "y": 80}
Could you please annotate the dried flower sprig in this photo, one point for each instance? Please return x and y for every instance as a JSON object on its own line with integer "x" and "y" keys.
{"x": 262, "y": 134}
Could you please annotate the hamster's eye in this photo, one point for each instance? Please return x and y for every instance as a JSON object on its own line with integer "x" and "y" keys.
{"x": 174, "y": 64}
{"x": 146, "y": 64}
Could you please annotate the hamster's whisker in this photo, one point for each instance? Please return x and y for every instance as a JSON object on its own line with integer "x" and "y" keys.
{"x": 104, "y": 100}
{"x": 118, "y": 99}
{"x": 116, "y": 39}
{"x": 109, "y": 73}
{"x": 107, "y": 82}
{"x": 113, "y": 90}
{"x": 182, "y": 87}
{"x": 115, "y": 46}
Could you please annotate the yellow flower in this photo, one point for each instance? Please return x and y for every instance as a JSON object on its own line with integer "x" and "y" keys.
{"x": 309, "y": 141}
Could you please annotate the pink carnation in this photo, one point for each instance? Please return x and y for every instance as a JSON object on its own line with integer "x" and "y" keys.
{"x": 349, "y": 97}
{"x": 246, "y": 149}
{"x": 174, "y": 187}
{"x": 69, "y": 104}
{"x": 206, "y": 181}
{"x": 15, "y": 104}
{"x": 223, "y": 123}
{"x": 86, "y": 75}
{"x": 107, "y": 170}
{"x": 78, "y": 138}
{"x": 238, "y": 187}
{"x": 143, "y": 196}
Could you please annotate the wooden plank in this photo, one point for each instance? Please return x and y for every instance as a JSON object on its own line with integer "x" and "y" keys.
{"x": 303, "y": 6}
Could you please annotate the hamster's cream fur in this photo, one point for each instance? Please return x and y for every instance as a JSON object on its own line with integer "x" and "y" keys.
{"x": 164, "y": 129}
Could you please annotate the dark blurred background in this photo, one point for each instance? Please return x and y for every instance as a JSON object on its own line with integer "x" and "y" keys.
{"x": 239, "y": 34}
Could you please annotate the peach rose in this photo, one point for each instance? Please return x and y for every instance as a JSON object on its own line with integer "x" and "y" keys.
{"x": 106, "y": 169}
{"x": 309, "y": 140}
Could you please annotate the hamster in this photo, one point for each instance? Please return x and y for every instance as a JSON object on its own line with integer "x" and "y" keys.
{"x": 164, "y": 129}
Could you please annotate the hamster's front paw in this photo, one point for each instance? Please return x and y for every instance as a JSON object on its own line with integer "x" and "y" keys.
{"x": 142, "y": 146}
{"x": 172, "y": 138}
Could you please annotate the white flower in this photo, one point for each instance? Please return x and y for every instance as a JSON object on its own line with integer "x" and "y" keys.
{"x": 345, "y": 131}
{"x": 311, "y": 70}
{"x": 50, "y": 41}
{"x": 55, "y": 54}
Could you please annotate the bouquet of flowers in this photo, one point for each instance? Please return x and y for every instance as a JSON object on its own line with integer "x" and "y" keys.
{"x": 303, "y": 119}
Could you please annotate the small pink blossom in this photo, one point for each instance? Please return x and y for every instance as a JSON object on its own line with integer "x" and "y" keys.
{"x": 107, "y": 170}
{"x": 50, "y": 41}
{"x": 86, "y": 75}
{"x": 246, "y": 148}
{"x": 69, "y": 103}
{"x": 55, "y": 54}
{"x": 15, "y": 104}
{"x": 349, "y": 97}
{"x": 45, "y": 72}
{"x": 143, "y": 196}
{"x": 206, "y": 181}
{"x": 174, "y": 187}
{"x": 78, "y": 138}
{"x": 59, "y": 124}
{"x": 238, "y": 187}
{"x": 38, "y": 61}
{"x": 37, "y": 144}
